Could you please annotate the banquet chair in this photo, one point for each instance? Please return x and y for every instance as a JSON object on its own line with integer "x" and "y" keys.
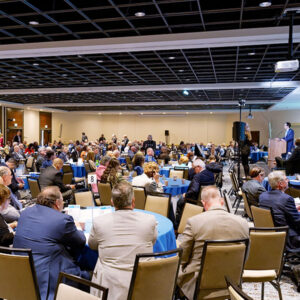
{"x": 266, "y": 257}
{"x": 155, "y": 278}
{"x": 84, "y": 199}
{"x": 247, "y": 206}
{"x": 262, "y": 217}
{"x": 17, "y": 275}
{"x": 67, "y": 168}
{"x": 105, "y": 193}
{"x": 140, "y": 196}
{"x": 220, "y": 259}
{"x": 158, "y": 203}
{"x": 189, "y": 211}
{"x": 34, "y": 187}
{"x": 178, "y": 173}
{"x": 235, "y": 292}
{"x": 65, "y": 291}
{"x": 173, "y": 162}
{"x": 227, "y": 202}
{"x": 67, "y": 178}
{"x": 30, "y": 164}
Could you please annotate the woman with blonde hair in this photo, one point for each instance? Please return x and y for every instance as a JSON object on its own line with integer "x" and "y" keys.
{"x": 6, "y": 234}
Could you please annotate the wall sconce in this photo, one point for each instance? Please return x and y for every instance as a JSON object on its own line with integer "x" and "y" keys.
{"x": 16, "y": 125}
{"x": 11, "y": 120}
{"x": 46, "y": 126}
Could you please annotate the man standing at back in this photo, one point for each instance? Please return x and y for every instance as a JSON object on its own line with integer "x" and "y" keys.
{"x": 214, "y": 224}
{"x": 149, "y": 143}
{"x": 118, "y": 237}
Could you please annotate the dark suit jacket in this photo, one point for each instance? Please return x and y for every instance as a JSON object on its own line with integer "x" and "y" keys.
{"x": 284, "y": 209}
{"x": 149, "y": 144}
{"x": 203, "y": 178}
{"x": 6, "y": 237}
{"x": 49, "y": 233}
{"x": 17, "y": 139}
{"x": 253, "y": 189}
{"x": 50, "y": 176}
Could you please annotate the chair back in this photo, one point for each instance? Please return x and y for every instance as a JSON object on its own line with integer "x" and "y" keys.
{"x": 17, "y": 275}
{"x": 158, "y": 203}
{"x": 29, "y": 162}
{"x": 228, "y": 202}
{"x": 267, "y": 246}
{"x": 185, "y": 171}
{"x": 178, "y": 173}
{"x": 189, "y": 211}
{"x": 247, "y": 206}
{"x": 84, "y": 199}
{"x": 104, "y": 190}
{"x": 67, "y": 168}
{"x": 34, "y": 187}
{"x": 140, "y": 197}
{"x": 67, "y": 178}
{"x": 234, "y": 181}
{"x": 155, "y": 278}
{"x": 220, "y": 259}
{"x": 64, "y": 291}
{"x": 235, "y": 292}
{"x": 262, "y": 217}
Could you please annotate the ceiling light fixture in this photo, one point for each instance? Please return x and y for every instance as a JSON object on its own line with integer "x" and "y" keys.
{"x": 245, "y": 77}
{"x": 211, "y": 112}
{"x": 140, "y": 14}
{"x": 250, "y": 116}
{"x": 120, "y": 73}
{"x": 13, "y": 76}
{"x": 34, "y": 23}
{"x": 120, "y": 113}
{"x": 35, "y": 64}
{"x": 248, "y": 68}
{"x": 99, "y": 61}
{"x": 171, "y": 57}
{"x": 265, "y": 4}
{"x": 64, "y": 75}
{"x": 251, "y": 53}
{"x": 185, "y": 92}
{"x": 180, "y": 70}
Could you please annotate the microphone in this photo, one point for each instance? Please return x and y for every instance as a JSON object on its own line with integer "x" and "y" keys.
{"x": 280, "y": 133}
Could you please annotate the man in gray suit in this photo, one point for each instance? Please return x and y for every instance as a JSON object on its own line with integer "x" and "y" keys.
{"x": 214, "y": 224}
{"x": 118, "y": 237}
{"x": 253, "y": 187}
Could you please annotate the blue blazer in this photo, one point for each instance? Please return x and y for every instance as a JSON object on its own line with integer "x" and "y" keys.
{"x": 289, "y": 138}
{"x": 52, "y": 236}
{"x": 284, "y": 209}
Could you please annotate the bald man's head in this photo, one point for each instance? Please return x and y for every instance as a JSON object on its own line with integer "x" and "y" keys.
{"x": 210, "y": 197}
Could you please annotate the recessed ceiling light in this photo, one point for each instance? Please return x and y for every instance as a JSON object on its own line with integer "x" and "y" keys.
{"x": 164, "y": 113}
{"x": 64, "y": 75}
{"x": 248, "y": 68}
{"x": 142, "y": 113}
{"x": 85, "y": 82}
{"x": 211, "y": 112}
{"x": 35, "y": 64}
{"x": 180, "y": 70}
{"x": 34, "y": 23}
{"x": 265, "y": 4}
{"x": 185, "y": 92}
{"x": 41, "y": 110}
{"x": 120, "y": 113}
{"x": 251, "y": 53}
{"x": 187, "y": 112}
{"x": 13, "y": 76}
{"x": 40, "y": 84}
{"x": 245, "y": 77}
{"x": 120, "y": 73}
{"x": 140, "y": 14}
{"x": 99, "y": 113}
{"x": 99, "y": 61}
{"x": 171, "y": 57}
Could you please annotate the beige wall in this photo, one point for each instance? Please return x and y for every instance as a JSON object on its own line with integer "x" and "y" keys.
{"x": 216, "y": 127}
{"x": 31, "y": 125}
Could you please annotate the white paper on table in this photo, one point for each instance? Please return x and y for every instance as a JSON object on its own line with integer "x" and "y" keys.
{"x": 74, "y": 211}
{"x": 297, "y": 201}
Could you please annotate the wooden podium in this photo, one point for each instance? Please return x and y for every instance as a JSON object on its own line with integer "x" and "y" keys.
{"x": 276, "y": 148}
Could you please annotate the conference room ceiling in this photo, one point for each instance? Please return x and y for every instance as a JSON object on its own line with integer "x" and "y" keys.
{"x": 93, "y": 19}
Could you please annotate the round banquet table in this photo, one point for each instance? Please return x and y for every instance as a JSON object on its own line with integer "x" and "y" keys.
{"x": 291, "y": 179}
{"x": 175, "y": 187}
{"x": 25, "y": 177}
{"x": 78, "y": 170}
{"x": 255, "y": 156}
{"x": 122, "y": 160}
{"x": 165, "y": 170}
{"x": 295, "y": 183}
{"x": 165, "y": 239}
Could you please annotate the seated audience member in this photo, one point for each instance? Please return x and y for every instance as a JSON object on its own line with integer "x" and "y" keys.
{"x": 285, "y": 211}
{"x": 138, "y": 165}
{"x": 29, "y": 150}
{"x": 50, "y": 155}
{"x": 292, "y": 164}
{"x": 261, "y": 163}
{"x": 214, "y": 166}
{"x": 201, "y": 178}
{"x": 6, "y": 233}
{"x": 53, "y": 238}
{"x": 90, "y": 154}
{"x": 118, "y": 237}
{"x": 213, "y": 224}
{"x": 63, "y": 154}
{"x": 40, "y": 158}
{"x": 111, "y": 174}
{"x": 16, "y": 154}
{"x": 116, "y": 154}
{"x": 150, "y": 155}
{"x": 52, "y": 176}
{"x": 97, "y": 154}
{"x": 12, "y": 212}
{"x": 149, "y": 179}
{"x": 183, "y": 161}
{"x": 100, "y": 170}
{"x": 83, "y": 153}
{"x": 164, "y": 154}
{"x": 253, "y": 187}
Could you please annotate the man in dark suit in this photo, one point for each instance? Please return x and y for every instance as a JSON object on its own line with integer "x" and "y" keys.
{"x": 52, "y": 176}
{"x": 289, "y": 137}
{"x": 292, "y": 165}
{"x": 285, "y": 211}
{"x": 53, "y": 237}
{"x": 149, "y": 143}
{"x": 18, "y": 137}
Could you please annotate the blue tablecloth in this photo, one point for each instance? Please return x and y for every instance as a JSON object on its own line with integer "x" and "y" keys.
{"x": 122, "y": 160}
{"x": 165, "y": 240}
{"x": 255, "y": 156}
{"x": 266, "y": 185}
{"x": 165, "y": 170}
{"x": 295, "y": 183}
{"x": 176, "y": 187}
{"x": 78, "y": 171}
{"x": 157, "y": 152}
